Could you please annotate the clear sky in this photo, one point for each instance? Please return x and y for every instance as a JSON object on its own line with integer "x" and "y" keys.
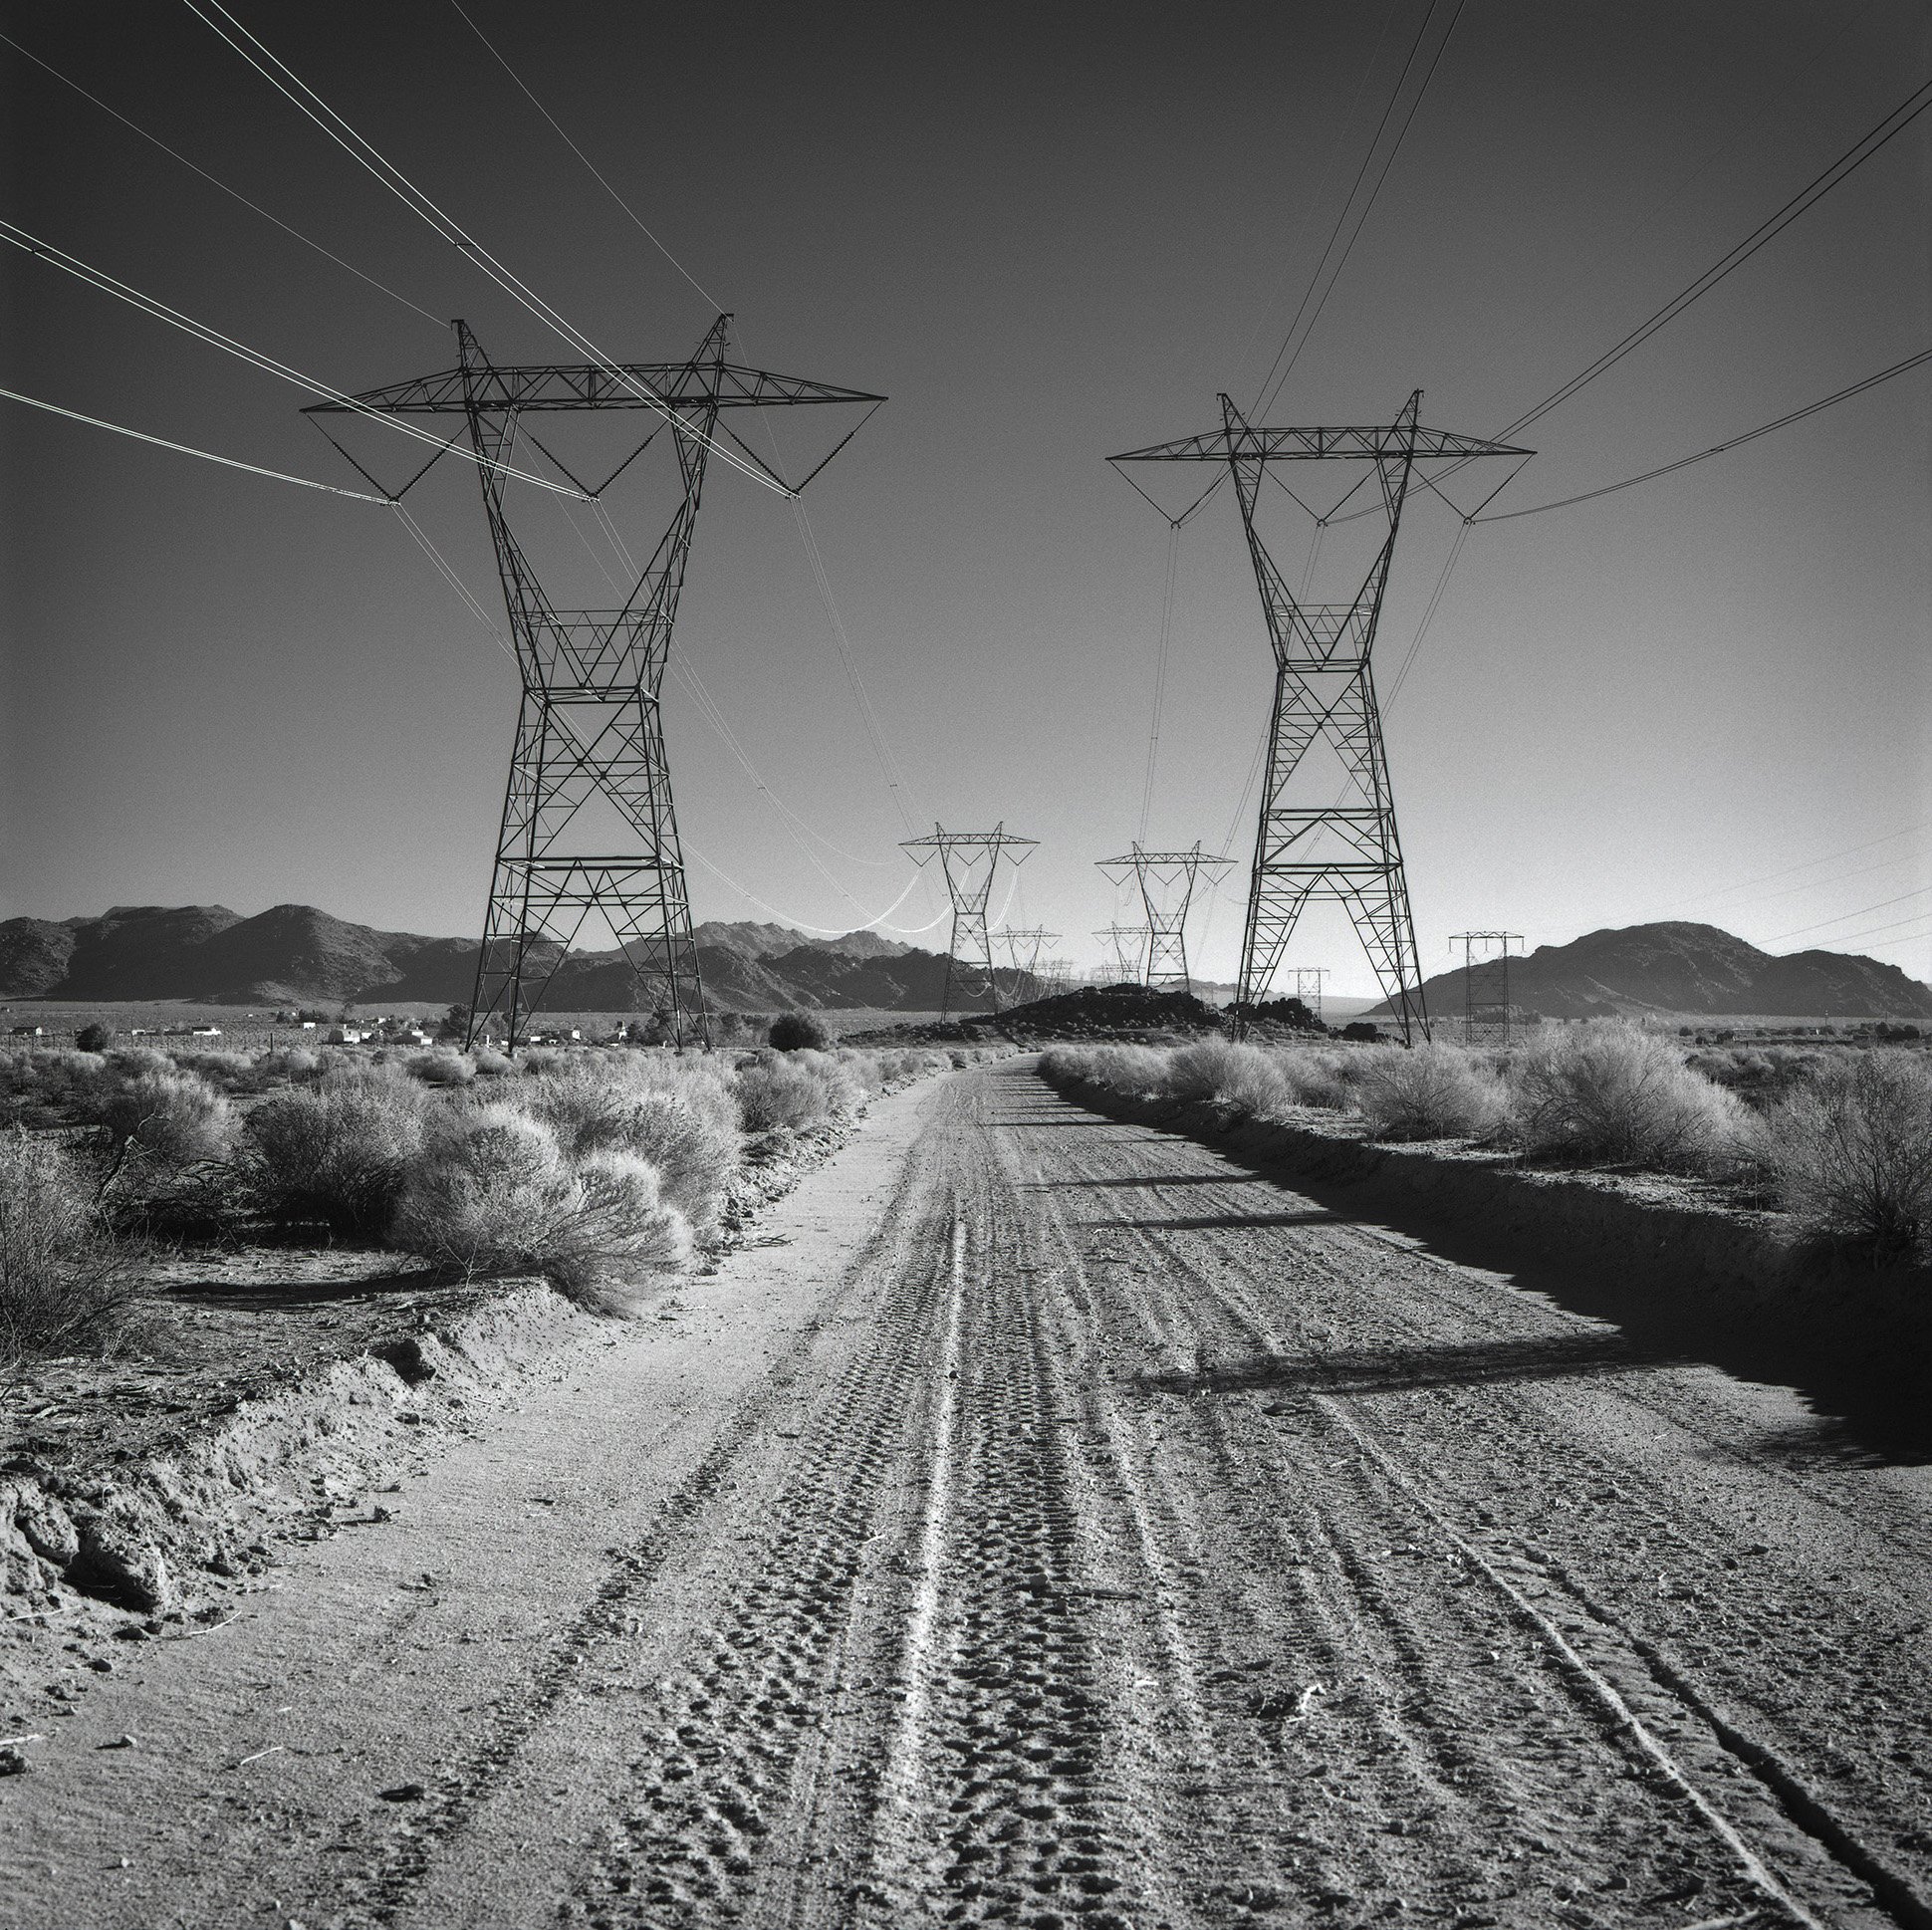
{"x": 1048, "y": 234}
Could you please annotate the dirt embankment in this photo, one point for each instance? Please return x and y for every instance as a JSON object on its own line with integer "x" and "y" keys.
{"x": 272, "y": 1394}
{"x": 1677, "y": 1244}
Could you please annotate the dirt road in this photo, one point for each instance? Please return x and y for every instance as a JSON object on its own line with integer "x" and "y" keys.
{"x": 1060, "y": 1527}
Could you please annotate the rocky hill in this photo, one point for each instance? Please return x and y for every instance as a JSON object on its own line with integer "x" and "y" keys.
{"x": 295, "y": 954}
{"x": 1692, "y": 969}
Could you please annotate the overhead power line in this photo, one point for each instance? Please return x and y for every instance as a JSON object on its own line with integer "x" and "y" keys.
{"x": 1771, "y": 877}
{"x": 1272, "y": 386}
{"x": 182, "y": 448}
{"x": 292, "y": 87}
{"x": 1717, "y": 448}
{"x": 497, "y": 54}
{"x": 1848, "y": 164}
{"x": 308, "y": 241}
{"x": 1863, "y": 911}
{"x": 202, "y": 332}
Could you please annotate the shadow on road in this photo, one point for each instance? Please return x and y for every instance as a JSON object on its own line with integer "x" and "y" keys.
{"x": 1869, "y": 1407}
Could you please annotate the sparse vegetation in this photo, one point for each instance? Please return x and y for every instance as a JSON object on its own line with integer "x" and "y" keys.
{"x": 1429, "y": 1093}
{"x": 1616, "y": 1094}
{"x": 158, "y": 1124}
{"x": 337, "y": 1151}
{"x": 66, "y": 1286}
{"x": 798, "y": 1032}
{"x": 1852, "y": 1154}
{"x": 494, "y": 1191}
{"x": 798, "y": 1089}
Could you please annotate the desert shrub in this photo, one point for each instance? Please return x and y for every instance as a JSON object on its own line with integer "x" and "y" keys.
{"x": 491, "y": 1065}
{"x": 132, "y": 1061}
{"x": 1315, "y": 1078}
{"x": 163, "y": 1122}
{"x": 1852, "y": 1152}
{"x": 222, "y": 1069}
{"x": 96, "y": 1037}
{"x": 798, "y": 1032}
{"x": 336, "y": 1150}
{"x": 64, "y": 1285}
{"x": 493, "y": 1191}
{"x": 1615, "y": 1093}
{"x": 797, "y": 1089}
{"x": 864, "y": 1070}
{"x": 678, "y": 1113}
{"x": 440, "y": 1066}
{"x": 1428, "y": 1091}
{"x": 1241, "y": 1076}
{"x": 1139, "y": 1071}
{"x": 58, "y": 1076}
{"x": 540, "y": 1058}
{"x": 287, "y": 1062}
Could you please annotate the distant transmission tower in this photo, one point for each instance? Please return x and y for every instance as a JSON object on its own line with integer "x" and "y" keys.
{"x": 1485, "y": 985}
{"x": 1308, "y": 987}
{"x": 970, "y": 860}
{"x": 1128, "y": 944}
{"x": 590, "y": 731}
{"x": 1166, "y": 881}
{"x": 1024, "y": 950}
{"x": 1344, "y": 848}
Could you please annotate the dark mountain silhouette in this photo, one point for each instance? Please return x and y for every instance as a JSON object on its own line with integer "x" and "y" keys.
{"x": 294, "y": 954}
{"x": 1692, "y": 969}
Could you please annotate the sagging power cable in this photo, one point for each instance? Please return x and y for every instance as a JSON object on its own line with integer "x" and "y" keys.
{"x": 184, "y": 449}
{"x": 202, "y": 332}
{"x": 293, "y": 87}
{"x": 1848, "y": 164}
{"x": 496, "y": 54}
{"x": 308, "y": 241}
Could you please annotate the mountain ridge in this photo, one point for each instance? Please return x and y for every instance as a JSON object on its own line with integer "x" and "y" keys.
{"x": 1676, "y": 967}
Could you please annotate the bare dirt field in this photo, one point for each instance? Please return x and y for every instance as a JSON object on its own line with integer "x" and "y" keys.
{"x": 1048, "y": 1522}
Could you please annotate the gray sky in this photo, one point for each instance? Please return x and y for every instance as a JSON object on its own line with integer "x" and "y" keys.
{"x": 1048, "y": 234}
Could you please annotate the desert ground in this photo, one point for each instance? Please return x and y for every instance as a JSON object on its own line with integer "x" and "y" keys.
{"x": 1046, "y": 1520}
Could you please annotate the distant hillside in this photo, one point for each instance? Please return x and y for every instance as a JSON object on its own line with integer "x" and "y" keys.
{"x": 1694, "y": 969}
{"x": 295, "y": 954}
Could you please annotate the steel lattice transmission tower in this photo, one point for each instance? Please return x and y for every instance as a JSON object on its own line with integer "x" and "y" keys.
{"x": 1308, "y": 987}
{"x": 589, "y": 730}
{"x": 970, "y": 860}
{"x": 1167, "y": 882}
{"x": 1485, "y": 985}
{"x": 1317, "y": 841}
{"x": 1026, "y": 946}
{"x": 1128, "y": 944}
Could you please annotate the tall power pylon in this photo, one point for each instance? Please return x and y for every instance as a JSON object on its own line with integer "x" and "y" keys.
{"x": 1128, "y": 944}
{"x": 1311, "y": 845}
{"x": 1485, "y": 985}
{"x": 1026, "y": 946}
{"x": 970, "y": 860}
{"x": 1166, "y": 881}
{"x": 1308, "y": 987}
{"x": 589, "y": 730}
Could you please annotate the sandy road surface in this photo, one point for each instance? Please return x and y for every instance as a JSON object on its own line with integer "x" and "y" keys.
{"x": 1063, "y": 1528}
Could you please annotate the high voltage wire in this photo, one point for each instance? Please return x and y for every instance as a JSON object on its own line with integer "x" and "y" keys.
{"x": 1845, "y": 918}
{"x": 1160, "y": 675}
{"x": 182, "y": 448}
{"x": 1771, "y": 877}
{"x": 1848, "y": 164}
{"x": 1718, "y": 448}
{"x": 202, "y": 332}
{"x": 366, "y": 153}
{"x": 636, "y": 220}
{"x": 215, "y": 181}
{"x": 1266, "y": 399}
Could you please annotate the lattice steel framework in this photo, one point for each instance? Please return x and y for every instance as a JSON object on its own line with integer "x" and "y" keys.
{"x": 1308, "y": 987}
{"x": 1025, "y": 947}
{"x": 590, "y": 728}
{"x": 1485, "y": 985}
{"x": 1166, "y": 884}
{"x": 1325, "y": 694}
{"x": 970, "y": 859}
{"x": 1128, "y": 944}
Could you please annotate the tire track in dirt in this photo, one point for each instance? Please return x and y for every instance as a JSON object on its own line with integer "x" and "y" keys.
{"x": 1250, "y": 1331}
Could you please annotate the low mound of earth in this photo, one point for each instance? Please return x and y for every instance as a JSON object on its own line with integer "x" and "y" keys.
{"x": 1689, "y": 970}
{"x": 1095, "y": 1011}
